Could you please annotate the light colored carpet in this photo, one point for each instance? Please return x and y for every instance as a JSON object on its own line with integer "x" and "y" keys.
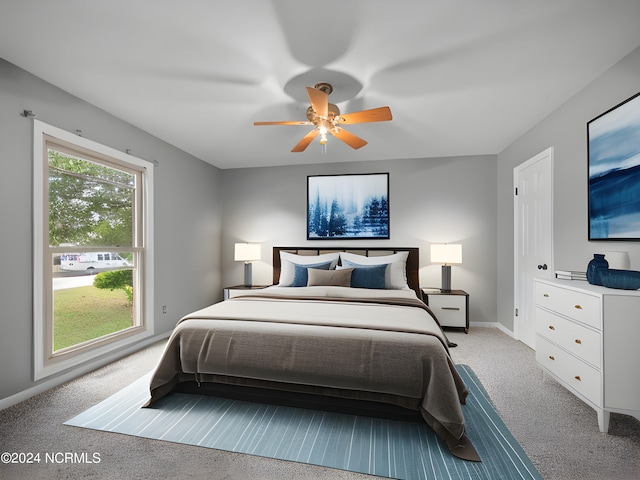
{"x": 558, "y": 432}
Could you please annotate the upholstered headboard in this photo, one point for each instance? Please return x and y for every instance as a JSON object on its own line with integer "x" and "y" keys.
{"x": 413, "y": 259}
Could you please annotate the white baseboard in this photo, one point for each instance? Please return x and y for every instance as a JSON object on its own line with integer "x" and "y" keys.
{"x": 77, "y": 372}
{"x": 507, "y": 331}
{"x": 497, "y": 325}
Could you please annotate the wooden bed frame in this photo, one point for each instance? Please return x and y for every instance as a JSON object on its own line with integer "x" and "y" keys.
{"x": 413, "y": 259}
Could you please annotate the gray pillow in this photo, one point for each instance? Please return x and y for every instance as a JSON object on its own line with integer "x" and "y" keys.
{"x": 329, "y": 278}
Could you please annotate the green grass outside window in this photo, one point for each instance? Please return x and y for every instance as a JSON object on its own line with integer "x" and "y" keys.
{"x": 87, "y": 313}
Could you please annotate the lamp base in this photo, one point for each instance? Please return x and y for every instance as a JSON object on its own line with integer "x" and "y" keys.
{"x": 247, "y": 274}
{"x": 446, "y": 278}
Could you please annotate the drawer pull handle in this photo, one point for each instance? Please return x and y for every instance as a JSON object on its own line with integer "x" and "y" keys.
{"x": 579, "y": 307}
{"x": 450, "y": 308}
{"x": 545, "y": 295}
{"x": 578, "y": 341}
{"x": 552, "y": 357}
{"x": 577, "y": 377}
{"x": 551, "y": 327}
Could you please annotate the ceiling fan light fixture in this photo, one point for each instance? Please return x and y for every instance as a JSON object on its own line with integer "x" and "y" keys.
{"x": 323, "y": 138}
{"x": 326, "y": 118}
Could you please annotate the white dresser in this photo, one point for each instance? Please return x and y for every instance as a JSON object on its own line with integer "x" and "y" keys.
{"x": 587, "y": 338}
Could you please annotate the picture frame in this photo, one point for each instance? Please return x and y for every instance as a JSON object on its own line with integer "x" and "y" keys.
{"x": 348, "y": 206}
{"x": 613, "y": 143}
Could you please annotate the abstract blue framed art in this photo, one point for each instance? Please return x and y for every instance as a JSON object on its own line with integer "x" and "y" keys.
{"x": 350, "y": 206}
{"x": 614, "y": 172}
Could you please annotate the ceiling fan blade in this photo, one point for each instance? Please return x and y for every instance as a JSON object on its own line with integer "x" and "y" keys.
{"x": 381, "y": 114}
{"x": 349, "y": 138}
{"x": 319, "y": 101}
{"x": 306, "y": 140}
{"x": 294, "y": 122}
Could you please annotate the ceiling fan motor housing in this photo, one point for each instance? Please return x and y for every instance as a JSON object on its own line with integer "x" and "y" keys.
{"x": 324, "y": 87}
{"x": 333, "y": 111}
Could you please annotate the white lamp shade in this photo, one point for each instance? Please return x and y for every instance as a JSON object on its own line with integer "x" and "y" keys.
{"x": 247, "y": 252}
{"x": 618, "y": 260}
{"x": 446, "y": 253}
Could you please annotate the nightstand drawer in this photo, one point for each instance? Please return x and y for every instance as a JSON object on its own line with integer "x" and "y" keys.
{"x": 575, "y": 338}
{"x": 451, "y": 310}
{"x": 574, "y": 373}
{"x": 579, "y": 306}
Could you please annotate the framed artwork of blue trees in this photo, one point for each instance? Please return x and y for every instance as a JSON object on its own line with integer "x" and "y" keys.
{"x": 350, "y": 206}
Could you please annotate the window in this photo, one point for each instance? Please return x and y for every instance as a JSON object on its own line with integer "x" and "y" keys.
{"x": 92, "y": 250}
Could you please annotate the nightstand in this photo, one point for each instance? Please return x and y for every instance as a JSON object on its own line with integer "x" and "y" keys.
{"x": 451, "y": 308}
{"x": 230, "y": 292}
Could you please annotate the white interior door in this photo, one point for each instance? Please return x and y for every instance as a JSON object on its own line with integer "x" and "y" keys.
{"x": 533, "y": 238}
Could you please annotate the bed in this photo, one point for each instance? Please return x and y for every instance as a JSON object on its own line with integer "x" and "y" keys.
{"x": 341, "y": 325}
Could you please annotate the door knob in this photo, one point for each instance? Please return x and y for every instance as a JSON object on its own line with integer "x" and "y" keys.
{"x": 542, "y": 267}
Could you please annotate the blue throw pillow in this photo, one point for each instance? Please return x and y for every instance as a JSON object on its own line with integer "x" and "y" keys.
{"x": 301, "y": 276}
{"x": 368, "y": 276}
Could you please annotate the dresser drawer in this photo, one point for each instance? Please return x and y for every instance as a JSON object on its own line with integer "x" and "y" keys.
{"x": 577, "y": 339}
{"x": 579, "y": 306}
{"x": 451, "y": 310}
{"x": 574, "y": 373}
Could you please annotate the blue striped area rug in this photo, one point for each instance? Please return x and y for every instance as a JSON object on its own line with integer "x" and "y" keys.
{"x": 375, "y": 446}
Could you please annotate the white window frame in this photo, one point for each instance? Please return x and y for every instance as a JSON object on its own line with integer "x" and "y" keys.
{"x": 46, "y": 364}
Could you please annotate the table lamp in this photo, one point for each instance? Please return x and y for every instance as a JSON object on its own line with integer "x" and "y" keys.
{"x": 446, "y": 254}
{"x": 247, "y": 252}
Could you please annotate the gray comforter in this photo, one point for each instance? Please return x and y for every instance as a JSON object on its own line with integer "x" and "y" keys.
{"x": 328, "y": 341}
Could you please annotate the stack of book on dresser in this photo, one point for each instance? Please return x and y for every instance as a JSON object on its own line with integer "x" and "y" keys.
{"x": 569, "y": 275}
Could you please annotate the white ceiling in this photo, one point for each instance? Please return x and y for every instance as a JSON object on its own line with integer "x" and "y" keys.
{"x": 462, "y": 77}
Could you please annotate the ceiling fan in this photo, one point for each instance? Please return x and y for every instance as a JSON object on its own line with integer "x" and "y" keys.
{"x": 326, "y": 118}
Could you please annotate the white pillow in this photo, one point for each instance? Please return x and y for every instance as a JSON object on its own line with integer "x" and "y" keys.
{"x": 396, "y": 275}
{"x": 288, "y": 260}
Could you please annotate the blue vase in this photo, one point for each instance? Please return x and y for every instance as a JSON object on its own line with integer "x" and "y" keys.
{"x": 595, "y": 266}
{"x": 622, "y": 279}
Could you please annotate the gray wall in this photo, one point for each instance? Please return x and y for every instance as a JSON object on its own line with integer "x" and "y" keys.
{"x": 431, "y": 201}
{"x": 458, "y": 199}
{"x": 566, "y": 131}
{"x": 187, "y": 215}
